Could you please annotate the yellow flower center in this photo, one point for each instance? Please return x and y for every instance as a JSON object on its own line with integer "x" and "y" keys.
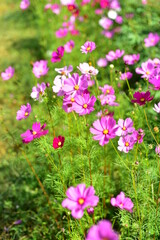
{"x": 142, "y": 99}
{"x": 34, "y": 133}
{"x": 76, "y": 87}
{"x": 63, "y": 73}
{"x": 107, "y": 91}
{"x": 85, "y": 105}
{"x": 26, "y": 113}
{"x": 105, "y": 131}
{"x": 59, "y": 144}
{"x": 88, "y": 48}
{"x": 9, "y": 74}
{"x": 148, "y": 72}
{"x": 121, "y": 204}
{"x": 72, "y": 100}
{"x": 40, "y": 92}
{"x": 90, "y": 64}
{"x": 127, "y": 144}
{"x": 124, "y": 128}
{"x": 81, "y": 201}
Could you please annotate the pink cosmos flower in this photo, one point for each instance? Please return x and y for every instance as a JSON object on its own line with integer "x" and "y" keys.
{"x": 146, "y": 69}
{"x": 55, "y": 8}
{"x": 68, "y": 103}
{"x": 155, "y": 78}
{"x": 122, "y": 202}
{"x": 157, "y": 150}
{"x": 104, "y": 129}
{"x": 104, "y": 3}
{"x": 102, "y": 62}
{"x": 57, "y": 56}
{"x": 38, "y": 92}
{"x": 126, "y": 143}
{"x": 9, "y": 72}
{"x": 84, "y": 104}
{"x": 88, "y": 47}
{"x": 126, "y": 75}
{"x": 107, "y": 89}
{"x": 69, "y": 46}
{"x": 102, "y": 231}
{"x": 24, "y": 4}
{"x": 40, "y": 68}
{"x": 85, "y": 68}
{"x": 152, "y": 40}
{"x": 156, "y": 62}
{"x": 108, "y": 99}
{"x": 125, "y": 127}
{"x": 114, "y": 4}
{"x": 80, "y": 198}
{"x": 111, "y": 56}
{"x": 67, "y": 2}
{"x": 24, "y": 112}
{"x": 119, "y": 20}
{"x": 131, "y": 59}
{"x": 105, "y": 22}
{"x": 108, "y": 34}
{"x": 144, "y": 2}
{"x": 58, "y": 142}
{"x": 36, "y": 132}
{"x": 142, "y": 98}
{"x": 62, "y": 32}
{"x": 65, "y": 71}
{"x": 138, "y": 135}
{"x": 157, "y": 108}
{"x": 84, "y": 2}
{"x": 99, "y": 11}
{"x": 75, "y": 85}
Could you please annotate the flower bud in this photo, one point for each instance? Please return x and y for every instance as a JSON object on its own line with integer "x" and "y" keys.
{"x": 47, "y": 84}
{"x": 90, "y": 210}
{"x": 111, "y": 66}
{"x": 156, "y": 129}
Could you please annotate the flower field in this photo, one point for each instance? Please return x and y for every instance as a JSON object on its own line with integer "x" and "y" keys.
{"x": 80, "y": 119}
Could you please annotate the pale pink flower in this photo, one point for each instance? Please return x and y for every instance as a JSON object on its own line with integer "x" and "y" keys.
{"x": 102, "y": 62}
{"x": 40, "y": 68}
{"x": 88, "y": 47}
{"x": 84, "y": 104}
{"x": 125, "y": 127}
{"x": 126, "y": 75}
{"x": 157, "y": 108}
{"x": 69, "y": 46}
{"x": 131, "y": 59}
{"x": 152, "y": 40}
{"x": 9, "y": 72}
{"x": 38, "y": 92}
{"x": 85, "y": 68}
{"x": 111, "y": 56}
{"x": 126, "y": 143}
{"x": 105, "y": 22}
{"x": 24, "y": 4}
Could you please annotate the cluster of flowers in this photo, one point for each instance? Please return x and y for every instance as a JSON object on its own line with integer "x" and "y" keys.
{"x": 80, "y": 197}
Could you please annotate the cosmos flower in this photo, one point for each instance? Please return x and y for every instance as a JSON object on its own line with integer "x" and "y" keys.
{"x": 69, "y": 46}
{"x": 152, "y": 40}
{"x": 57, "y": 56}
{"x": 108, "y": 99}
{"x": 40, "y": 68}
{"x": 38, "y": 92}
{"x": 103, "y": 230}
{"x": 67, "y": 2}
{"x": 105, "y": 22}
{"x": 131, "y": 59}
{"x": 58, "y": 142}
{"x": 24, "y": 112}
{"x": 104, "y": 129}
{"x": 80, "y": 198}
{"x": 36, "y": 132}
{"x": 104, "y": 3}
{"x": 157, "y": 108}
{"x": 24, "y": 4}
{"x": 125, "y": 127}
{"x": 9, "y": 72}
{"x": 68, "y": 103}
{"x": 111, "y": 56}
{"x": 88, "y": 47}
{"x": 102, "y": 62}
{"x": 122, "y": 202}
{"x": 84, "y": 104}
{"x": 126, "y": 75}
{"x": 85, "y": 68}
{"x": 62, "y": 32}
{"x": 146, "y": 69}
{"x": 157, "y": 150}
{"x": 138, "y": 135}
{"x": 142, "y": 97}
{"x": 56, "y": 8}
{"x": 126, "y": 143}
{"x": 107, "y": 89}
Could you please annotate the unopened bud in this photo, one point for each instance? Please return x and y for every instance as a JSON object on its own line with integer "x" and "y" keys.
{"x": 111, "y": 66}
{"x": 90, "y": 210}
{"x": 47, "y": 84}
{"x": 156, "y": 129}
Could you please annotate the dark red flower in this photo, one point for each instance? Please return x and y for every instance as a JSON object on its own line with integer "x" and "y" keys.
{"x": 142, "y": 97}
{"x": 58, "y": 142}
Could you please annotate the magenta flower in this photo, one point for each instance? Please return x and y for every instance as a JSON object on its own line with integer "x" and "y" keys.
{"x": 138, "y": 135}
{"x": 75, "y": 84}
{"x": 122, "y": 202}
{"x": 36, "y": 132}
{"x": 104, "y": 129}
{"x": 114, "y": 55}
{"x": 58, "y": 142}
{"x": 80, "y": 198}
{"x": 104, "y": 3}
{"x": 55, "y": 8}
{"x": 119, "y": 19}
{"x": 84, "y": 104}
{"x": 62, "y": 32}
{"x": 68, "y": 103}
{"x": 126, "y": 75}
{"x": 69, "y": 46}
{"x": 24, "y": 112}
{"x": 9, "y": 72}
{"x": 157, "y": 150}
{"x": 126, "y": 143}
{"x": 107, "y": 89}
{"x": 157, "y": 108}
{"x": 155, "y": 79}
{"x": 102, "y": 62}
{"x": 142, "y": 98}
{"x": 152, "y": 40}
{"x": 102, "y": 231}
{"x": 57, "y": 56}
{"x": 40, "y": 68}
{"x": 108, "y": 99}
{"x": 124, "y": 127}
{"x": 131, "y": 59}
{"x": 38, "y": 92}
{"x": 108, "y": 34}
{"x": 146, "y": 69}
{"x": 88, "y": 47}
{"x": 24, "y": 4}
